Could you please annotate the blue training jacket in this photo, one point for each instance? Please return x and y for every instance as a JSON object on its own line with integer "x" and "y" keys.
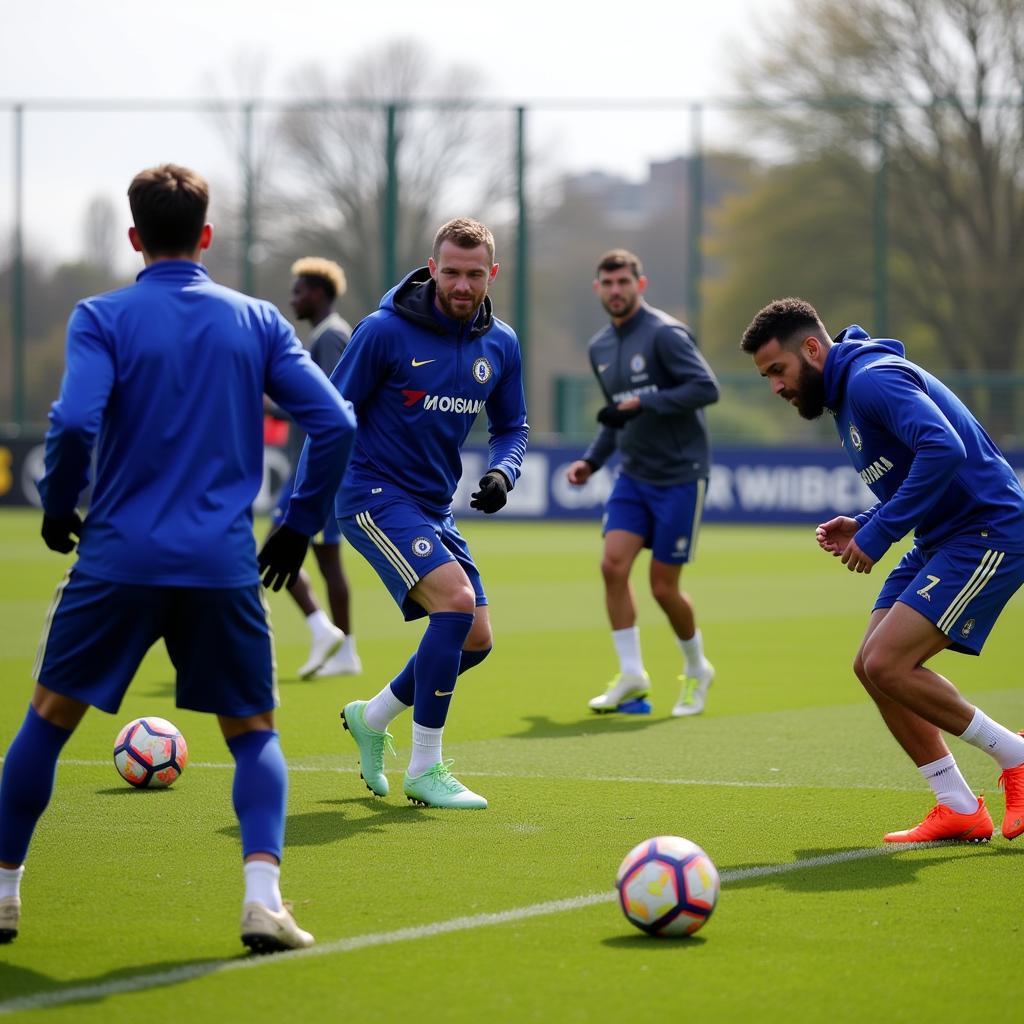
{"x": 919, "y": 449}
{"x": 166, "y": 379}
{"x": 417, "y": 380}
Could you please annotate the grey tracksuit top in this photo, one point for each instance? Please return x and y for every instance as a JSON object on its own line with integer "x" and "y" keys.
{"x": 654, "y": 357}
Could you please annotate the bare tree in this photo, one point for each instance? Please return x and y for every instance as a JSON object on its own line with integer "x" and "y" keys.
{"x": 940, "y": 82}
{"x": 99, "y": 233}
{"x": 450, "y": 158}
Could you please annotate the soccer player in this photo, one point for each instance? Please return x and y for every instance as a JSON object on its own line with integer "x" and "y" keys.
{"x": 418, "y": 370}
{"x": 166, "y": 548}
{"x": 935, "y": 471}
{"x": 656, "y": 384}
{"x": 316, "y": 284}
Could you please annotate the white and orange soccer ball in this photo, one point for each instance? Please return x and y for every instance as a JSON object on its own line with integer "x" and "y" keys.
{"x": 150, "y": 752}
{"x": 667, "y": 886}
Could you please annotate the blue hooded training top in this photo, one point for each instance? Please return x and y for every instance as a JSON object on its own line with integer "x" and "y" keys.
{"x": 919, "y": 449}
{"x": 417, "y": 379}
{"x": 166, "y": 379}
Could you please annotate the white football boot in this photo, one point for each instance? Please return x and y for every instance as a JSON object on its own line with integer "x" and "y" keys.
{"x": 326, "y": 644}
{"x": 622, "y": 689}
{"x": 269, "y": 931}
{"x": 344, "y": 662}
{"x": 694, "y": 693}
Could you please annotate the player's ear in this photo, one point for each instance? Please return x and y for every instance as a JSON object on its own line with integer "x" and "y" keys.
{"x": 133, "y": 237}
{"x": 641, "y": 284}
{"x": 206, "y": 237}
{"x": 596, "y": 286}
{"x": 432, "y": 267}
{"x": 493, "y": 274}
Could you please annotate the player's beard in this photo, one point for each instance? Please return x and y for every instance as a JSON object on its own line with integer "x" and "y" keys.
{"x": 460, "y": 314}
{"x": 809, "y": 392}
{"x": 622, "y": 309}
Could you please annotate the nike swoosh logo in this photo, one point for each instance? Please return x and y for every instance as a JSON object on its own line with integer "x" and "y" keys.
{"x": 423, "y": 362}
{"x": 443, "y": 693}
{"x": 601, "y": 367}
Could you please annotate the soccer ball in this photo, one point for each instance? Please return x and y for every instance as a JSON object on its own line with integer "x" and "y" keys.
{"x": 150, "y": 752}
{"x": 667, "y": 886}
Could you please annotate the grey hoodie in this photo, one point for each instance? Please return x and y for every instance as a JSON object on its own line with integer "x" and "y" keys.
{"x": 654, "y": 357}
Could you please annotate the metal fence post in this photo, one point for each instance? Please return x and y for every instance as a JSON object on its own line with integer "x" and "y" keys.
{"x": 881, "y": 222}
{"x": 248, "y": 190}
{"x": 389, "y": 218}
{"x": 522, "y": 286}
{"x": 18, "y": 276}
{"x": 695, "y": 227}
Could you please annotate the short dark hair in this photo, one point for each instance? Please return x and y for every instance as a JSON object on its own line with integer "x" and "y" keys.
{"x": 780, "y": 319}
{"x": 169, "y": 208}
{"x": 619, "y": 259}
{"x": 466, "y": 233}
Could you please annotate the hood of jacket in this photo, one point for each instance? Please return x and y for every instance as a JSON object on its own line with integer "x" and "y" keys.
{"x": 851, "y": 345}
{"x": 413, "y": 299}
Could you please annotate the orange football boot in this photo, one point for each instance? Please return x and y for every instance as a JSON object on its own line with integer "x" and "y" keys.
{"x": 1011, "y": 782}
{"x": 943, "y": 823}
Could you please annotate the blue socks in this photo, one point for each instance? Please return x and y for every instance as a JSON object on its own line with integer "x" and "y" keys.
{"x": 29, "y": 771}
{"x": 403, "y": 686}
{"x": 436, "y": 666}
{"x": 260, "y": 791}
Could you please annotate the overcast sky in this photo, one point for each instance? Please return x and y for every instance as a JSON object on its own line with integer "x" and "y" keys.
{"x": 526, "y": 50}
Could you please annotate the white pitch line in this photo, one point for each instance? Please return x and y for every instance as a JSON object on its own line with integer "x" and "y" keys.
{"x": 191, "y": 972}
{"x": 639, "y": 779}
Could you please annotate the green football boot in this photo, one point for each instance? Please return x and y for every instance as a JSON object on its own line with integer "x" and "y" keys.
{"x": 372, "y": 745}
{"x": 437, "y": 787}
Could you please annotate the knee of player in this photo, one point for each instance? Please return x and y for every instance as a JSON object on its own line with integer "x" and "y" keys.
{"x": 664, "y": 590}
{"x": 880, "y": 668}
{"x": 614, "y": 570}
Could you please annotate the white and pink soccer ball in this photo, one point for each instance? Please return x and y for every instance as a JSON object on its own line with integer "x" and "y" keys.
{"x": 667, "y": 886}
{"x": 150, "y": 752}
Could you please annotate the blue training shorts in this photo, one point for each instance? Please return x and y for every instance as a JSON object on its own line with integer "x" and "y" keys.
{"x": 961, "y": 588}
{"x": 403, "y": 542}
{"x": 330, "y": 534}
{"x": 219, "y": 641}
{"x": 668, "y": 518}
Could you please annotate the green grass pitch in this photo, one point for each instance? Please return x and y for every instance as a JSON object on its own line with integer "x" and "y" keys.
{"x": 132, "y": 897}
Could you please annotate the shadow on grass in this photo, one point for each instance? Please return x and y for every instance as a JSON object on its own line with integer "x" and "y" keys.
{"x": 24, "y": 988}
{"x": 320, "y": 828}
{"x": 881, "y": 872}
{"x": 542, "y": 727}
{"x": 126, "y": 788}
{"x": 655, "y": 945}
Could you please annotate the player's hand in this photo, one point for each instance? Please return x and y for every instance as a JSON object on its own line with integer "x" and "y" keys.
{"x": 493, "y": 492}
{"x": 281, "y": 557}
{"x": 616, "y": 417}
{"x": 57, "y": 532}
{"x": 855, "y": 560}
{"x": 834, "y": 535}
{"x": 579, "y": 472}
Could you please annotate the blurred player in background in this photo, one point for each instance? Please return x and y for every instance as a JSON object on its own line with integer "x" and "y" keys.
{"x": 316, "y": 284}
{"x": 418, "y": 370}
{"x": 935, "y": 471}
{"x": 166, "y": 549}
{"x": 656, "y": 384}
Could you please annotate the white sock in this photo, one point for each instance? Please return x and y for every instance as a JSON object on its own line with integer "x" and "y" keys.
{"x": 693, "y": 655}
{"x": 996, "y": 740}
{"x": 319, "y": 624}
{"x": 10, "y": 881}
{"x": 382, "y": 710}
{"x": 263, "y": 884}
{"x": 948, "y": 785}
{"x": 350, "y": 646}
{"x": 627, "y": 647}
{"x": 426, "y": 749}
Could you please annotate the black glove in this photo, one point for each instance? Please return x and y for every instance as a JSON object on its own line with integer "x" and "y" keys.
{"x": 493, "y": 492}
{"x": 57, "y": 532}
{"x": 616, "y": 418}
{"x": 281, "y": 557}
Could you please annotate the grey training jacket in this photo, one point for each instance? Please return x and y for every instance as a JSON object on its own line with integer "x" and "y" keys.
{"x": 654, "y": 357}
